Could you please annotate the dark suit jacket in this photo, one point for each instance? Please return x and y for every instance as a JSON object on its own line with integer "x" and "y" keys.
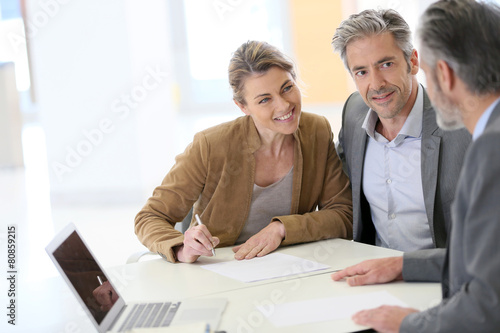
{"x": 441, "y": 161}
{"x": 471, "y": 273}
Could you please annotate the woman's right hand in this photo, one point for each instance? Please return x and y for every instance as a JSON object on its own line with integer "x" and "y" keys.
{"x": 197, "y": 242}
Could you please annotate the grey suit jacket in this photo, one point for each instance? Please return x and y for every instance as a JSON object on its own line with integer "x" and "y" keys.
{"x": 441, "y": 160}
{"x": 471, "y": 273}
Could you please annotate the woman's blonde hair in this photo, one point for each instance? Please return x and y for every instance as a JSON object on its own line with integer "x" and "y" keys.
{"x": 254, "y": 57}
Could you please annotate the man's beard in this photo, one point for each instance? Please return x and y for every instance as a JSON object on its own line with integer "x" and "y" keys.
{"x": 449, "y": 122}
{"x": 448, "y": 115}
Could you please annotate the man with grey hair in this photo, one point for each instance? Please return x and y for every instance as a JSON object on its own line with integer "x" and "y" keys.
{"x": 403, "y": 168}
{"x": 460, "y": 58}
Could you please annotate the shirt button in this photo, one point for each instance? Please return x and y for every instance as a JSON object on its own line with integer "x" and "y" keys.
{"x": 392, "y": 216}
{"x": 389, "y": 181}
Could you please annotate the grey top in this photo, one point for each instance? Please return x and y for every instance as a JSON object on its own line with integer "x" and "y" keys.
{"x": 267, "y": 202}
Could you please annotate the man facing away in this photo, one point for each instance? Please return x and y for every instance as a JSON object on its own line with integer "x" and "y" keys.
{"x": 460, "y": 49}
{"x": 402, "y": 167}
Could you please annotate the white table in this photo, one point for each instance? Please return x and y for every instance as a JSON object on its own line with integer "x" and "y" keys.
{"x": 57, "y": 311}
{"x": 191, "y": 281}
{"x": 242, "y": 315}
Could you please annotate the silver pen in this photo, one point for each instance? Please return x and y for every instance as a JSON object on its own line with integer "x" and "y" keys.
{"x": 201, "y": 223}
{"x": 99, "y": 279}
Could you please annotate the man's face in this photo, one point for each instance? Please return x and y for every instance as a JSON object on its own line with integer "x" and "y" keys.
{"x": 381, "y": 73}
{"x": 448, "y": 115}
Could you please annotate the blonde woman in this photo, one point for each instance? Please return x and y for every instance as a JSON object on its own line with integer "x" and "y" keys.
{"x": 267, "y": 179}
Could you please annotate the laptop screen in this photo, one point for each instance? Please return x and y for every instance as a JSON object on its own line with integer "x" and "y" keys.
{"x": 86, "y": 276}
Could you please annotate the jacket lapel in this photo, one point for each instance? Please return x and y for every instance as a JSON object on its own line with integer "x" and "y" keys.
{"x": 359, "y": 145}
{"x": 430, "y": 151}
{"x": 357, "y": 162}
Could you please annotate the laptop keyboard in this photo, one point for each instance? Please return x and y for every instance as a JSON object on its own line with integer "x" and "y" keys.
{"x": 150, "y": 315}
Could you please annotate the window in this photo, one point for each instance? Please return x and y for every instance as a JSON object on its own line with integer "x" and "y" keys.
{"x": 206, "y": 35}
{"x": 13, "y": 42}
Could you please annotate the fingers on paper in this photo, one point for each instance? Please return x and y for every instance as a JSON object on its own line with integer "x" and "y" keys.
{"x": 242, "y": 251}
{"x": 349, "y": 272}
{"x": 249, "y": 250}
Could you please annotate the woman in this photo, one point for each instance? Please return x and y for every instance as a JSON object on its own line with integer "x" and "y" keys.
{"x": 266, "y": 179}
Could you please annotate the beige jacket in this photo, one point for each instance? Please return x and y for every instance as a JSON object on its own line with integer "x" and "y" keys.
{"x": 216, "y": 175}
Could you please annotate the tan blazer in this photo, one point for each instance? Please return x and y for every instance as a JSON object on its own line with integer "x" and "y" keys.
{"x": 216, "y": 174}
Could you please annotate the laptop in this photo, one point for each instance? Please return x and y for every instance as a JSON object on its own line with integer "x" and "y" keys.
{"x": 103, "y": 304}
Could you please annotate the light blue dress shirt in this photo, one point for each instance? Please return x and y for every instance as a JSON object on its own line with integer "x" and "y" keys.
{"x": 392, "y": 183}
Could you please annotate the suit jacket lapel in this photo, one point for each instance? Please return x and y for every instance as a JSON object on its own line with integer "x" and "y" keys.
{"x": 357, "y": 162}
{"x": 359, "y": 145}
{"x": 430, "y": 151}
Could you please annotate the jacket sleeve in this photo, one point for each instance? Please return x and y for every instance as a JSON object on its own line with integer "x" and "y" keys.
{"x": 334, "y": 215}
{"x": 423, "y": 265}
{"x": 172, "y": 200}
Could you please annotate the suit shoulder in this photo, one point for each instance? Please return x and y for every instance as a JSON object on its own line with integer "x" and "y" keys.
{"x": 491, "y": 135}
{"x": 307, "y": 118}
{"x": 225, "y": 130}
{"x": 355, "y": 110}
{"x": 311, "y": 121}
{"x": 355, "y": 101}
{"x": 316, "y": 125}
{"x": 483, "y": 159}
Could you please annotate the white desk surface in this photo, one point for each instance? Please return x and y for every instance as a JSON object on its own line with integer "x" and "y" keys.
{"x": 191, "y": 281}
{"x": 56, "y": 310}
{"x": 242, "y": 315}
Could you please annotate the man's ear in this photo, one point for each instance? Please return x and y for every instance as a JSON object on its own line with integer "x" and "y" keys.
{"x": 242, "y": 107}
{"x": 414, "y": 63}
{"x": 445, "y": 75}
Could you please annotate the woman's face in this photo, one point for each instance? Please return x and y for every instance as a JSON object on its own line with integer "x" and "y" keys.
{"x": 273, "y": 101}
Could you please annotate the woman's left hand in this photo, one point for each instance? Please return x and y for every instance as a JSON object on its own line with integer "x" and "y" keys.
{"x": 262, "y": 243}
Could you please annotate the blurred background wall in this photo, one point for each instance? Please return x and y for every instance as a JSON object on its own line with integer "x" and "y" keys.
{"x": 118, "y": 88}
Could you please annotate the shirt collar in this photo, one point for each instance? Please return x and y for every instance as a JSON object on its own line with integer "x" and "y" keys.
{"x": 412, "y": 126}
{"x": 483, "y": 120}
{"x": 370, "y": 123}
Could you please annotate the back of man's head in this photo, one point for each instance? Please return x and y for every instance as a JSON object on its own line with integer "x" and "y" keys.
{"x": 464, "y": 33}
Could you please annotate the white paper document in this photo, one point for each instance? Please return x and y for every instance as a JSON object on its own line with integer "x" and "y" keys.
{"x": 271, "y": 266}
{"x": 326, "y": 309}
